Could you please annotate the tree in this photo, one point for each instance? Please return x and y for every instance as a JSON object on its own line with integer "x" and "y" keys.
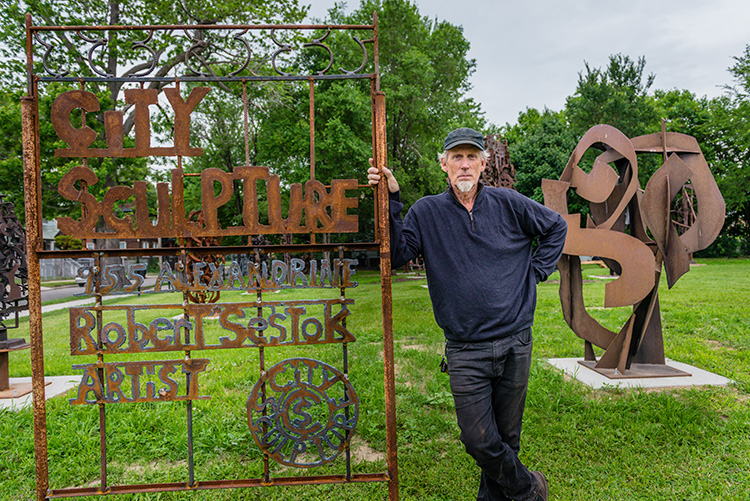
{"x": 540, "y": 145}
{"x": 424, "y": 72}
{"x": 729, "y": 130}
{"x": 617, "y": 96}
{"x": 119, "y": 58}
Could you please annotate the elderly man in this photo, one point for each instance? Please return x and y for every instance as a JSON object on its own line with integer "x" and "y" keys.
{"x": 482, "y": 272}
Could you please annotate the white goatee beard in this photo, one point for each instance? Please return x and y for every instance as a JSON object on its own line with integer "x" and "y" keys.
{"x": 464, "y": 186}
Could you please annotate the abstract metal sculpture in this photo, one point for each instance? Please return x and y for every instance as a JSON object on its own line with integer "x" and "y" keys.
{"x": 13, "y": 293}
{"x": 499, "y": 172}
{"x": 617, "y": 229}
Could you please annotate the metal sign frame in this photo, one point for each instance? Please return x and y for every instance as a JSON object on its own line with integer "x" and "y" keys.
{"x": 107, "y": 382}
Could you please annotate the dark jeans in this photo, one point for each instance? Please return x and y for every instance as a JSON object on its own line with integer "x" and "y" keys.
{"x": 489, "y": 381}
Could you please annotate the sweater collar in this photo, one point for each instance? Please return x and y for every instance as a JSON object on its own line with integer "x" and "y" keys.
{"x": 479, "y": 196}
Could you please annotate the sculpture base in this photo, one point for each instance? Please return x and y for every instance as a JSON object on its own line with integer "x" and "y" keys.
{"x": 637, "y": 371}
{"x": 16, "y": 390}
{"x": 698, "y": 377}
{"x": 53, "y": 386}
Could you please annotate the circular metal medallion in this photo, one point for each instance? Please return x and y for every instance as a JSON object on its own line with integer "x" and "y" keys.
{"x": 302, "y": 412}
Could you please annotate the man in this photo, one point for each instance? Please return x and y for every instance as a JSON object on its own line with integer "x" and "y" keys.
{"x": 482, "y": 273}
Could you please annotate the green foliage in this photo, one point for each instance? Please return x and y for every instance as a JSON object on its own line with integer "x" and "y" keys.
{"x": 540, "y": 145}
{"x": 11, "y": 157}
{"x": 66, "y": 242}
{"x": 613, "y": 444}
{"x": 617, "y": 96}
{"x": 132, "y": 12}
{"x": 424, "y": 70}
{"x": 730, "y": 129}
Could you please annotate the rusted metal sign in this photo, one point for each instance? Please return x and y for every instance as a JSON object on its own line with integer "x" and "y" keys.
{"x": 314, "y": 210}
{"x": 242, "y": 275}
{"x": 79, "y": 140}
{"x": 302, "y": 412}
{"x": 617, "y": 230}
{"x": 128, "y": 382}
{"x": 284, "y": 323}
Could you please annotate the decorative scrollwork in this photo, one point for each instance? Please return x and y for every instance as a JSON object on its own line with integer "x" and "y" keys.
{"x": 98, "y": 42}
{"x": 195, "y": 50}
{"x": 142, "y": 44}
{"x": 318, "y": 42}
{"x": 361, "y": 43}
{"x": 46, "y": 57}
{"x": 248, "y": 56}
{"x": 206, "y": 49}
{"x": 283, "y": 47}
{"x": 302, "y": 412}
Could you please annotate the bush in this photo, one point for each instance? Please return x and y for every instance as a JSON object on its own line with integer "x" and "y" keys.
{"x": 66, "y": 242}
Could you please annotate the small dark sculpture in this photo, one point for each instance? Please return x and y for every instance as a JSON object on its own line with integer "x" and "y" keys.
{"x": 201, "y": 296}
{"x": 616, "y": 230}
{"x": 13, "y": 292}
{"x": 499, "y": 172}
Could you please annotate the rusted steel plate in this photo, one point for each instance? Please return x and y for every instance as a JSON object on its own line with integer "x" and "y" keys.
{"x": 599, "y": 183}
{"x": 313, "y": 209}
{"x": 241, "y": 325}
{"x": 220, "y": 484}
{"x": 635, "y": 258}
{"x": 656, "y": 203}
{"x": 675, "y": 142}
{"x": 711, "y": 206}
{"x": 302, "y": 412}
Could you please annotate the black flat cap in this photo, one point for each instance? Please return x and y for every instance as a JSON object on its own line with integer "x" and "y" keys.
{"x": 463, "y": 135}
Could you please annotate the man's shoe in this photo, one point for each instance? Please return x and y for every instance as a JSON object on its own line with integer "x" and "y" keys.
{"x": 543, "y": 488}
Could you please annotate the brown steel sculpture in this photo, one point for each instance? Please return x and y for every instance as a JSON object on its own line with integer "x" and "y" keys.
{"x": 13, "y": 294}
{"x": 632, "y": 230}
{"x": 499, "y": 172}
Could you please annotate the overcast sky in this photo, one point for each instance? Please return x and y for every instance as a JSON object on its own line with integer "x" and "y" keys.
{"x": 529, "y": 52}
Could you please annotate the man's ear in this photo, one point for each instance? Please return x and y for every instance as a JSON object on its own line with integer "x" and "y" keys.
{"x": 442, "y": 165}
{"x": 484, "y": 164}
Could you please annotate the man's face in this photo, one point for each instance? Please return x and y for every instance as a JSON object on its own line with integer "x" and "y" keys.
{"x": 463, "y": 164}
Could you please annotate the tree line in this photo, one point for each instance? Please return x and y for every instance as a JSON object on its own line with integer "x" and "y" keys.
{"x": 425, "y": 71}
{"x": 620, "y": 95}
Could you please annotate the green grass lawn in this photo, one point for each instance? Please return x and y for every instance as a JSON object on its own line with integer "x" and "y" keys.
{"x": 674, "y": 444}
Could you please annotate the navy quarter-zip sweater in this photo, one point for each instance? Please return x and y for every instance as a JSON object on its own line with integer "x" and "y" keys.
{"x": 481, "y": 271}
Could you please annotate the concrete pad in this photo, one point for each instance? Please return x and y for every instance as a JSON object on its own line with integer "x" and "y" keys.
{"x": 55, "y": 385}
{"x": 589, "y": 377}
